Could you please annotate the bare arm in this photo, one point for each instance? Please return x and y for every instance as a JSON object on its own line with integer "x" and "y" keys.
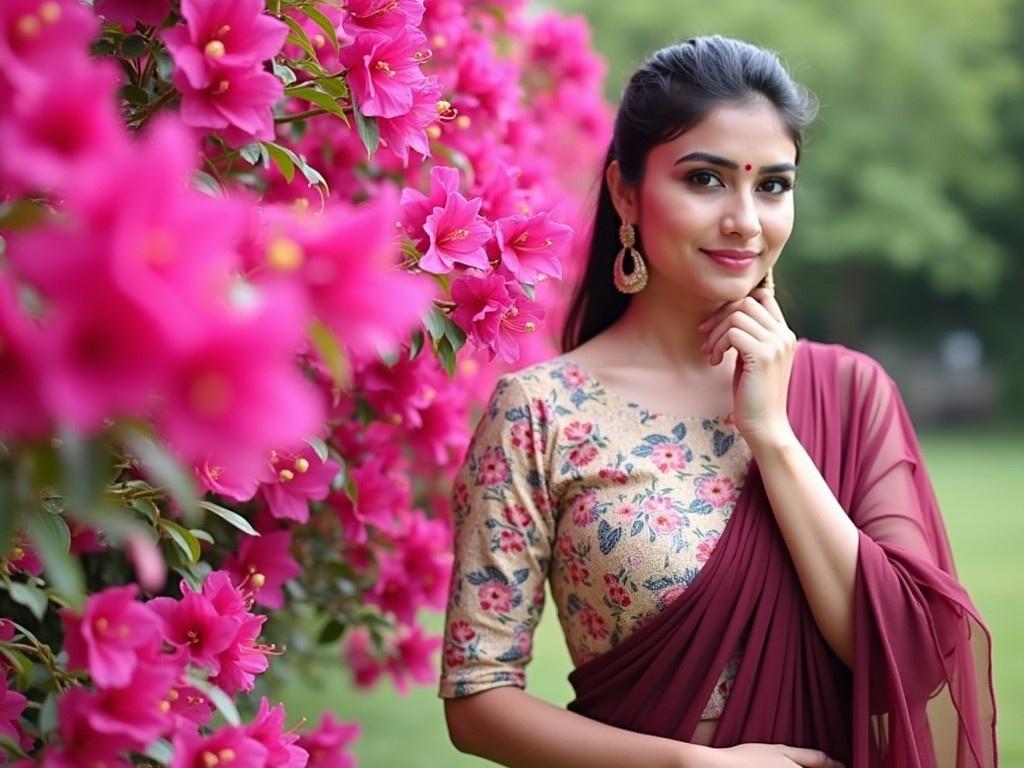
{"x": 518, "y": 730}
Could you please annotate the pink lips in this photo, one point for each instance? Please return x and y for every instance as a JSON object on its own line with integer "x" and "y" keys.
{"x": 737, "y": 260}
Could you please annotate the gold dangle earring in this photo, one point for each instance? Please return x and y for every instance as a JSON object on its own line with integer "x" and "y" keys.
{"x": 634, "y": 280}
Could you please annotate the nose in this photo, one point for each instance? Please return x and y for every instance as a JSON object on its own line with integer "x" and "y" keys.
{"x": 740, "y": 218}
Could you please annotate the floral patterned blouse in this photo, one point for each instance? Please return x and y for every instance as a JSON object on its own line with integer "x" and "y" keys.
{"x": 618, "y": 506}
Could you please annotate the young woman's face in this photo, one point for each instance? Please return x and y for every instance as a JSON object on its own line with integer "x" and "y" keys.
{"x": 715, "y": 206}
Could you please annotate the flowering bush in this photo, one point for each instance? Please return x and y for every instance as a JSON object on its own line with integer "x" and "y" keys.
{"x": 253, "y": 260}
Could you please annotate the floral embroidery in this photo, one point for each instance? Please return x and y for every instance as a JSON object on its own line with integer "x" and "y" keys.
{"x": 617, "y": 506}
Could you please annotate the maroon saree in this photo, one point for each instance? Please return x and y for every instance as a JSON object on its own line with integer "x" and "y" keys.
{"x": 919, "y": 694}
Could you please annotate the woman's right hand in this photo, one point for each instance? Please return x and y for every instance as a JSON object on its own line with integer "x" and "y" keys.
{"x": 769, "y": 756}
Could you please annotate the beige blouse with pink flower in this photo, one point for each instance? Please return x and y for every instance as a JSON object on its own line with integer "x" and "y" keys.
{"x": 619, "y": 507}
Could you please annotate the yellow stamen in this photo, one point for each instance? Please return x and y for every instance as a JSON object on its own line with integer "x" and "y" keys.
{"x": 531, "y": 327}
{"x": 384, "y": 67}
{"x": 102, "y": 624}
{"x": 226, "y": 755}
{"x": 257, "y": 580}
{"x": 455, "y": 234}
{"x": 124, "y": 630}
{"x": 285, "y": 475}
{"x": 222, "y": 87}
{"x": 209, "y": 759}
{"x": 434, "y": 131}
{"x": 439, "y": 41}
{"x": 28, "y": 25}
{"x": 463, "y": 121}
{"x": 284, "y": 254}
{"x": 173, "y": 694}
{"x": 50, "y": 12}
{"x": 396, "y": 419}
{"x": 214, "y": 49}
{"x": 224, "y": 29}
{"x": 302, "y": 465}
{"x": 429, "y": 394}
{"x": 165, "y": 706}
{"x": 319, "y": 41}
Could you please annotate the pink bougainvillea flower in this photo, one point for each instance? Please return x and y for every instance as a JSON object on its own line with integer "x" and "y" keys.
{"x": 299, "y": 477}
{"x": 493, "y": 312}
{"x": 346, "y": 258}
{"x": 328, "y": 742}
{"x": 216, "y": 478}
{"x": 237, "y": 103}
{"x": 361, "y": 659}
{"x": 127, "y": 12}
{"x": 413, "y": 657}
{"x": 424, "y": 548}
{"x": 23, "y": 558}
{"x": 238, "y": 393}
{"x": 81, "y": 745}
{"x": 384, "y": 15}
{"x": 12, "y": 704}
{"x": 267, "y": 727}
{"x": 501, "y": 192}
{"x": 21, "y": 407}
{"x": 244, "y": 658}
{"x": 262, "y": 564}
{"x": 383, "y": 68}
{"x": 138, "y": 710}
{"x": 456, "y": 234}
{"x": 532, "y": 245}
{"x": 382, "y": 498}
{"x": 195, "y": 625}
{"x": 147, "y": 559}
{"x": 392, "y": 592}
{"x": 416, "y": 206}
{"x": 107, "y": 637}
{"x": 65, "y": 128}
{"x": 189, "y": 707}
{"x": 409, "y": 131}
{"x": 40, "y": 38}
{"x": 219, "y": 35}
{"x": 193, "y": 750}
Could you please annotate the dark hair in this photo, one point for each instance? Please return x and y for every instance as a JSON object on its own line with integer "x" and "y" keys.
{"x": 671, "y": 92}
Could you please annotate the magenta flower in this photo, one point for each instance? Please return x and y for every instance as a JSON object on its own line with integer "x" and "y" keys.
{"x": 493, "y": 311}
{"x": 381, "y": 498}
{"x": 413, "y": 658}
{"x": 194, "y": 624}
{"x": 409, "y": 131}
{"x": 221, "y": 35}
{"x": 299, "y": 477}
{"x": 425, "y": 551}
{"x": 42, "y": 39}
{"x": 218, "y": 479}
{"x": 267, "y": 727}
{"x": 532, "y": 245}
{"x": 383, "y": 68}
{"x": 361, "y": 658}
{"x": 81, "y": 745}
{"x": 65, "y": 128}
{"x": 244, "y": 658}
{"x": 238, "y": 392}
{"x": 12, "y": 704}
{"x": 262, "y": 564}
{"x": 237, "y": 103}
{"x": 21, "y": 407}
{"x": 127, "y": 12}
{"x": 137, "y": 711}
{"x": 346, "y": 258}
{"x": 416, "y": 206}
{"x": 456, "y": 233}
{"x": 389, "y": 15}
{"x": 392, "y": 592}
{"x": 192, "y": 750}
{"x": 328, "y": 742}
{"x": 108, "y": 636}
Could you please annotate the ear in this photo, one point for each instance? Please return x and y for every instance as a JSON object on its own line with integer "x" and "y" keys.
{"x": 624, "y": 194}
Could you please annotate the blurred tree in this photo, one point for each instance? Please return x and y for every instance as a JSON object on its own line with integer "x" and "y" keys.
{"x": 913, "y": 167}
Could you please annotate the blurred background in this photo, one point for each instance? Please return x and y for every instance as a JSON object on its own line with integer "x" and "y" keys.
{"x": 910, "y": 228}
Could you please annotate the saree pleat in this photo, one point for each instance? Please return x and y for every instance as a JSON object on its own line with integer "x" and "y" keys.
{"x": 919, "y": 693}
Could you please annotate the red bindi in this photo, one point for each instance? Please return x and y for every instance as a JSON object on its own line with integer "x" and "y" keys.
{"x": 747, "y": 167}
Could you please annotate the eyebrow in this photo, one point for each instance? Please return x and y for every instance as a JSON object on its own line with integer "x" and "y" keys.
{"x": 705, "y": 157}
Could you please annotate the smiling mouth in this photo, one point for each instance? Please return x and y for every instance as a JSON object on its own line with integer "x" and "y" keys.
{"x": 731, "y": 259}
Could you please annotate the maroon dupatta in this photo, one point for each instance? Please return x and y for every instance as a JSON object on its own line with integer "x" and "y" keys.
{"x": 919, "y": 694}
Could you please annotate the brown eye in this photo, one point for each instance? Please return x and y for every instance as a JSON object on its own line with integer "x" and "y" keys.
{"x": 776, "y": 186}
{"x": 704, "y": 179}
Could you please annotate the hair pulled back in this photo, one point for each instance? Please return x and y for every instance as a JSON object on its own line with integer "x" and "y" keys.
{"x": 670, "y": 93}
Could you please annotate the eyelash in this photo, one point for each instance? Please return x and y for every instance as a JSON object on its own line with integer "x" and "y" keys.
{"x": 785, "y": 183}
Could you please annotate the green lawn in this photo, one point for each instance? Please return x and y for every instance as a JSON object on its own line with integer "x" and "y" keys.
{"x": 977, "y": 479}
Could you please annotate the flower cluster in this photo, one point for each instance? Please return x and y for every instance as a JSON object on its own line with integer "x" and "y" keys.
{"x": 254, "y": 261}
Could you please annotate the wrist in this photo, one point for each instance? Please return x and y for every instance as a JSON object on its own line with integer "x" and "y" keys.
{"x": 693, "y": 756}
{"x": 771, "y": 437}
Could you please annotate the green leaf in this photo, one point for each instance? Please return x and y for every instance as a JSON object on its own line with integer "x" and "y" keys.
{"x": 133, "y": 94}
{"x": 435, "y": 322}
{"x": 21, "y": 214}
{"x": 8, "y": 745}
{"x": 134, "y": 46}
{"x": 202, "y": 535}
{"x": 48, "y": 714}
{"x": 446, "y": 353}
{"x": 321, "y": 99}
{"x": 331, "y": 352}
{"x": 186, "y": 542}
{"x": 251, "y": 153}
{"x": 283, "y": 73}
{"x": 87, "y": 468}
{"x": 323, "y": 22}
{"x": 21, "y": 663}
{"x": 161, "y": 751}
{"x": 229, "y": 516}
{"x": 206, "y": 184}
{"x": 319, "y": 447}
{"x": 298, "y": 35}
{"x": 159, "y": 465}
{"x": 282, "y": 159}
{"x": 416, "y": 344}
{"x": 331, "y": 632}
{"x": 10, "y": 516}
{"x": 369, "y": 131}
{"x": 51, "y": 538}
{"x": 220, "y": 700}
{"x": 335, "y": 85}
{"x": 31, "y": 596}
{"x": 454, "y": 334}
{"x": 313, "y": 176}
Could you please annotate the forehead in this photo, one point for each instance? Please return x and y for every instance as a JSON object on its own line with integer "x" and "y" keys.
{"x": 745, "y": 133}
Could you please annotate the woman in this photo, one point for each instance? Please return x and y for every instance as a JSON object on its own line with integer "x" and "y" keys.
{"x": 741, "y": 537}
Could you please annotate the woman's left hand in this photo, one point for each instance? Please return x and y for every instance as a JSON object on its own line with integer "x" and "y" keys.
{"x": 765, "y": 346}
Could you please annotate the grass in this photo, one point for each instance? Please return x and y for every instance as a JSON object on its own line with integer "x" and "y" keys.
{"x": 977, "y": 481}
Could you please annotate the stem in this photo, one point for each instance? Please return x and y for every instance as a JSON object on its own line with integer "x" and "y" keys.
{"x": 300, "y": 116}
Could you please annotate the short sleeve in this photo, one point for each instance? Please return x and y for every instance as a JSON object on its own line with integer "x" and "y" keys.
{"x": 503, "y": 533}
